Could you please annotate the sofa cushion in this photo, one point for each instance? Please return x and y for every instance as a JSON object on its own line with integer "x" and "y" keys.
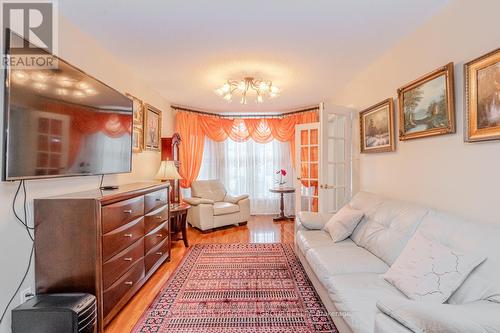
{"x": 387, "y": 226}
{"x": 475, "y": 238}
{"x": 475, "y": 317}
{"x": 223, "y": 208}
{"x": 312, "y": 220}
{"x": 341, "y": 259}
{"x": 428, "y": 271}
{"x": 356, "y": 295}
{"x": 384, "y": 324}
{"x": 342, "y": 224}
{"x": 208, "y": 189}
{"x": 308, "y": 239}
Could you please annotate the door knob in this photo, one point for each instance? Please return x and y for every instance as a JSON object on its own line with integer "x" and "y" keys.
{"x": 321, "y": 186}
{"x": 298, "y": 178}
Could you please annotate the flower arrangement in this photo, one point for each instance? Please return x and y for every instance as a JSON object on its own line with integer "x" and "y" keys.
{"x": 282, "y": 173}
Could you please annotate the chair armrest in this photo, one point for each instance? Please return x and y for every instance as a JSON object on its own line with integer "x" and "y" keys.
{"x": 313, "y": 221}
{"x": 236, "y": 199}
{"x": 198, "y": 201}
{"x": 479, "y": 316}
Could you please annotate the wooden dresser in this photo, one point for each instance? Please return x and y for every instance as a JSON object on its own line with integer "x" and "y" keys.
{"x": 107, "y": 243}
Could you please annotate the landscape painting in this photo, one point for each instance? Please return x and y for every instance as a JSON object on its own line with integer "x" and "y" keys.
{"x": 483, "y": 98}
{"x": 377, "y": 127}
{"x": 426, "y": 106}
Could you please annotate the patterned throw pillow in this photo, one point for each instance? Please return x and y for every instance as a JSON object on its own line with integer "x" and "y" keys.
{"x": 429, "y": 271}
{"x": 342, "y": 224}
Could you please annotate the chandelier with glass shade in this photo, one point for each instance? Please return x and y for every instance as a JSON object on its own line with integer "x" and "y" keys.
{"x": 246, "y": 87}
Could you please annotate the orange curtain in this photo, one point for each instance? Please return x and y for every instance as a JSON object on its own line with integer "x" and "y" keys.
{"x": 191, "y": 147}
{"x": 193, "y": 128}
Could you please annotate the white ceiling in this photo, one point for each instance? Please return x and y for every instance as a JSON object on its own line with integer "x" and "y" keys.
{"x": 186, "y": 48}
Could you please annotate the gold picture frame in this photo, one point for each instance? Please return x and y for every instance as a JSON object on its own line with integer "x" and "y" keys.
{"x": 427, "y": 105}
{"x": 482, "y": 98}
{"x": 152, "y": 128}
{"x": 376, "y": 127}
{"x": 137, "y": 124}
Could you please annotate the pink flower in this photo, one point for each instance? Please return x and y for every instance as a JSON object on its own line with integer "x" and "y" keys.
{"x": 283, "y": 172}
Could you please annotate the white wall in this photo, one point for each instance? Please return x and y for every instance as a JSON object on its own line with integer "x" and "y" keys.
{"x": 443, "y": 172}
{"x": 81, "y": 51}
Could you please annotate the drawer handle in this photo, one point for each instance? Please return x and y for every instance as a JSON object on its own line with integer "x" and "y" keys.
{"x": 159, "y": 253}
{"x": 128, "y": 235}
{"x": 128, "y": 211}
{"x": 159, "y": 217}
{"x": 129, "y": 283}
{"x": 159, "y": 235}
{"x": 128, "y": 259}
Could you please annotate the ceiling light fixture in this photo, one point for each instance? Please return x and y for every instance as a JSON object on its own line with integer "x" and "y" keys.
{"x": 259, "y": 87}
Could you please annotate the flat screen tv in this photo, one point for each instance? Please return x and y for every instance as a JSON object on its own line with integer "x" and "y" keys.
{"x": 63, "y": 122}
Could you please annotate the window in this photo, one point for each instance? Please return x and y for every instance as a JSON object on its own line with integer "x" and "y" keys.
{"x": 250, "y": 167}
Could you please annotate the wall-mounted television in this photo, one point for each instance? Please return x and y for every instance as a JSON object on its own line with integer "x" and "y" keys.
{"x": 63, "y": 122}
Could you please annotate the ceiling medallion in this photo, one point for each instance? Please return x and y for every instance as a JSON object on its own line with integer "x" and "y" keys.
{"x": 258, "y": 87}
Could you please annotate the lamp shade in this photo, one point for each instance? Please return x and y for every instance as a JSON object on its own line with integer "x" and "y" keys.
{"x": 168, "y": 171}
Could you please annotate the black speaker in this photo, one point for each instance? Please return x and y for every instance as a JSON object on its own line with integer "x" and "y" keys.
{"x": 56, "y": 313}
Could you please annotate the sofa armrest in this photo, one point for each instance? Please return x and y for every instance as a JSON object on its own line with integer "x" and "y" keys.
{"x": 198, "y": 201}
{"x": 313, "y": 221}
{"x": 475, "y": 317}
{"x": 235, "y": 199}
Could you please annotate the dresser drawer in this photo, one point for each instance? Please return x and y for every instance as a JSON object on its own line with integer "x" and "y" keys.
{"x": 120, "y": 263}
{"x": 120, "y": 213}
{"x": 155, "y": 218}
{"x": 158, "y": 252}
{"x": 155, "y": 200}
{"x": 156, "y": 237}
{"x": 121, "y": 238}
{"x": 113, "y": 294}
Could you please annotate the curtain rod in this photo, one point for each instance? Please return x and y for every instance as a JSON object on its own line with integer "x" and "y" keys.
{"x": 180, "y": 108}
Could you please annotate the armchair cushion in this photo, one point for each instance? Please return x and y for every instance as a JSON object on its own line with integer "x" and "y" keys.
{"x": 198, "y": 201}
{"x": 480, "y": 316}
{"x": 209, "y": 189}
{"x": 223, "y": 208}
{"x": 236, "y": 199}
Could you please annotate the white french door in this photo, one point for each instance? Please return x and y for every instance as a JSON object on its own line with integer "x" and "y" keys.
{"x": 335, "y": 159}
{"x": 307, "y": 155}
{"x": 323, "y": 161}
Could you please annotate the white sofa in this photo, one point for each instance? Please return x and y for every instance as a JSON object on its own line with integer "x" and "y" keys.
{"x": 348, "y": 275}
{"x": 212, "y": 207}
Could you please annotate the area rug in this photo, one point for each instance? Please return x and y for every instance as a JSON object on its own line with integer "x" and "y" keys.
{"x": 238, "y": 288}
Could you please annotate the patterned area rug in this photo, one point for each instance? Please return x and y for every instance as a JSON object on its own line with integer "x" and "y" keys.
{"x": 238, "y": 288}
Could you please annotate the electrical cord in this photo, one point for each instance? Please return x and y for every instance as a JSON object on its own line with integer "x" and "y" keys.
{"x": 20, "y": 284}
{"x": 25, "y": 224}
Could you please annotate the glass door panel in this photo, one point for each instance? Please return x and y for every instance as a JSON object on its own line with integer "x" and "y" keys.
{"x": 335, "y": 159}
{"x": 307, "y": 152}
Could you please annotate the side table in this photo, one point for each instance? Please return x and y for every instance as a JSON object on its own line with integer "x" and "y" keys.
{"x": 282, "y": 191}
{"x": 178, "y": 223}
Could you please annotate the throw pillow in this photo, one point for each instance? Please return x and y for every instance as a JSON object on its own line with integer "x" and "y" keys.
{"x": 342, "y": 224}
{"x": 430, "y": 271}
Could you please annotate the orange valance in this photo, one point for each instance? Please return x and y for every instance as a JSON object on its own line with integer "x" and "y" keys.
{"x": 193, "y": 127}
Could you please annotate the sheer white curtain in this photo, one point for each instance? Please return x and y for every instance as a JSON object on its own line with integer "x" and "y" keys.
{"x": 250, "y": 167}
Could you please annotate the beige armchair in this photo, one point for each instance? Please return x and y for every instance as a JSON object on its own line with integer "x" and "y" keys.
{"x": 213, "y": 207}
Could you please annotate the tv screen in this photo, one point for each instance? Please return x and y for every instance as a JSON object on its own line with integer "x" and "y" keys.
{"x": 63, "y": 122}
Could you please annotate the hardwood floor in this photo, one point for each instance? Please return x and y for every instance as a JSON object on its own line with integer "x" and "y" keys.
{"x": 260, "y": 229}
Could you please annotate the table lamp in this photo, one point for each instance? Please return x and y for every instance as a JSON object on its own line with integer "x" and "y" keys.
{"x": 168, "y": 171}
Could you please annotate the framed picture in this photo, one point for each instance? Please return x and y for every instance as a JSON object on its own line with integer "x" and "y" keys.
{"x": 152, "y": 128}
{"x": 426, "y": 105}
{"x": 137, "y": 139}
{"x": 377, "y": 127}
{"x": 482, "y": 98}
{"x": 138, "y": 124}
